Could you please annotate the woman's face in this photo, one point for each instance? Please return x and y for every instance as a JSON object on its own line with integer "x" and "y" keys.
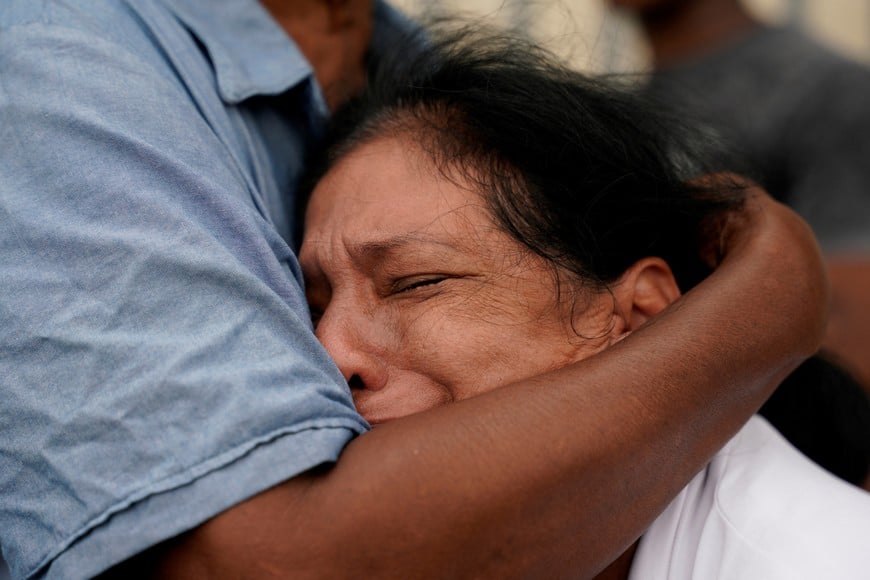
{"x": 421, "y": 299}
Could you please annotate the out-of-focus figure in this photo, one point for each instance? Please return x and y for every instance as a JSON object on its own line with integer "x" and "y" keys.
{"x": 800, "y": 114}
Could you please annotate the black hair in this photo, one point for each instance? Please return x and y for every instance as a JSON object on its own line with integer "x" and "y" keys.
{"x": 581, "y": 170}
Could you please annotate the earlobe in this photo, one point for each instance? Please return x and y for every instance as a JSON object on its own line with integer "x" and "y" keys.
{"x": 644, "y": 290}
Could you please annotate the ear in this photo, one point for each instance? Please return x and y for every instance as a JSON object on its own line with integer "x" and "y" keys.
{"x": 644, "y": 290}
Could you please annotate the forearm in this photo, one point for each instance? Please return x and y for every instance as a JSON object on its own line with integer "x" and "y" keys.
{"x": 557, "y": 473}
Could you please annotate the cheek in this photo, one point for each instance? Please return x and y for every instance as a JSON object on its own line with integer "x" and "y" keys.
{"x": 467, "y": 355}
{"x": 423, "y": 364}
{"x": 500, "y": 343}
{"x": 443, "y": 346}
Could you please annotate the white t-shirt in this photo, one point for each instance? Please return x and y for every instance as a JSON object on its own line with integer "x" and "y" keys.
{"x": 759, "y": 511}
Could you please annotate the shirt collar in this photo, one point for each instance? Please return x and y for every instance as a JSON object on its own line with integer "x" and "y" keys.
{"x": 250, "y": 52}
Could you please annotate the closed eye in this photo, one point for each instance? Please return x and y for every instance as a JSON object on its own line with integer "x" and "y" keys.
{"x": 416, "y": 282}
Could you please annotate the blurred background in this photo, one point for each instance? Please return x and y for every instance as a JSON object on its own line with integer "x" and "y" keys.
{"x": 595, "y": 38}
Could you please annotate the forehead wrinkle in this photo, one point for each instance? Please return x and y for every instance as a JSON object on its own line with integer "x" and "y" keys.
{"x": 378, "y": 250}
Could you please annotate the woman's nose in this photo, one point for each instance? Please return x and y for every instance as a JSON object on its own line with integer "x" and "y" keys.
{"x": 354, "y": 352}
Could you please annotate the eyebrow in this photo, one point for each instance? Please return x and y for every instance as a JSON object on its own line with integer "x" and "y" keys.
{"x": 379, "y": 250}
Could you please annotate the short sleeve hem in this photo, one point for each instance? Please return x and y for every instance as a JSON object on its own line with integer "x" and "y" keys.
{"x": 209, "y": 489}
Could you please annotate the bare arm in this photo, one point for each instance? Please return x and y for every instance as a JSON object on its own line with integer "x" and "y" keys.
{"x": 557, "y": 473}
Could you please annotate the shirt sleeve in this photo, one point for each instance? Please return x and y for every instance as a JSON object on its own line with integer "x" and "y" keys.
{"x": 157, "y": 364}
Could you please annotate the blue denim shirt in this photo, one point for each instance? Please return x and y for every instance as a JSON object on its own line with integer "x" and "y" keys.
{"x": 157, "y": 364}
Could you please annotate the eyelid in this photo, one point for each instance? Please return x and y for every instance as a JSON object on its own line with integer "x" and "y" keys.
{"x": 410, "y": 283}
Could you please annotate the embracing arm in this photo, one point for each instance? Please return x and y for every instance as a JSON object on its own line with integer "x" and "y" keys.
{"x": 157, "y": 343}
{"x": 557, "y": 473}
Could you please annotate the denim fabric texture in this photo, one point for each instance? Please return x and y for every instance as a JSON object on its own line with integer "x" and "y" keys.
{"x": 157, "y": 363}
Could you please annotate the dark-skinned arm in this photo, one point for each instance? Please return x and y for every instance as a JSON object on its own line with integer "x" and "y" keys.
{"x": 553, "y": 476}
